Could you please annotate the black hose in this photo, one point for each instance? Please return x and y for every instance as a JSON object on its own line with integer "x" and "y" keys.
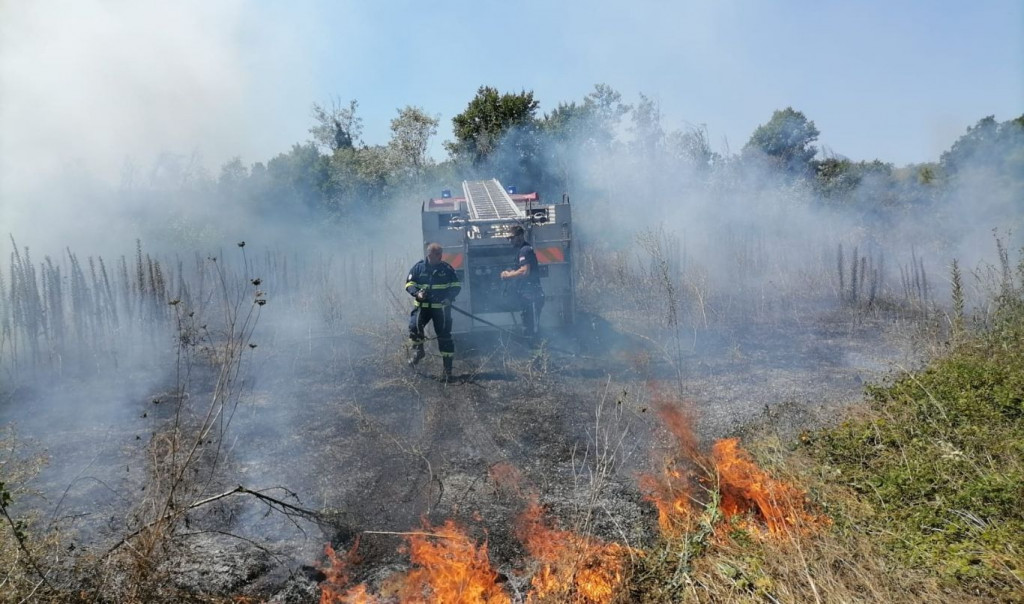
{"x": 511, "y": 333}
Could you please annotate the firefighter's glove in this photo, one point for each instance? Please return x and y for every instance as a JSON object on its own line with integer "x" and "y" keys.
{"x": 422, "y": 295}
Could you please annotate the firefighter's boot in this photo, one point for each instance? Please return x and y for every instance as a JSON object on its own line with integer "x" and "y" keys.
{"x": 447, "y": 367}
{"x": 417, "y": 355}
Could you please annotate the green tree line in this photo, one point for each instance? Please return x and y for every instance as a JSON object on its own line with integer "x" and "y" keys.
{"x": 335, "y": 175}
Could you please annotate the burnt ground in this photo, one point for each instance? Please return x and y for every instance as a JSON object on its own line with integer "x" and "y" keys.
{"x": 342, "y": 428}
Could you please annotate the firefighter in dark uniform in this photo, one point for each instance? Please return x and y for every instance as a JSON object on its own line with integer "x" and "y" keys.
{"x": 433, "y": 284}
{"x": 526, "y": 277}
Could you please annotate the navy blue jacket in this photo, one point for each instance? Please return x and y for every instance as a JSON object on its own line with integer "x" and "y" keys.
{"x": 526, "y": 256}
{"x": 440, "y": 281}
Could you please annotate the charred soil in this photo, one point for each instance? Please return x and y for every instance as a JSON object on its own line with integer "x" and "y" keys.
{"x": 371, "y": 450}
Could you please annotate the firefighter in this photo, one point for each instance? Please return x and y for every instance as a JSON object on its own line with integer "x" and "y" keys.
{"x": 433, "y": 285}
{"x": 526, "y": 277}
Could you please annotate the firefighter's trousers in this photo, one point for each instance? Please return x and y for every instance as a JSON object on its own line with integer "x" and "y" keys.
{"x": 442, "y": 318}
{"x": 531, "y": 301}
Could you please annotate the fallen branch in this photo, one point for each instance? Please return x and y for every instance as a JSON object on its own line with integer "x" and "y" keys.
{"x": 284, "y": 508}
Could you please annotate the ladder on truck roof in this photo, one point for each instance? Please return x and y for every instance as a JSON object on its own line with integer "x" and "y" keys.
{"x": 488, "y": 200}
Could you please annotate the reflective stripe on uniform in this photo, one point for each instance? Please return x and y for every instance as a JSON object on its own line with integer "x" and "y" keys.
{"x": 428, "y": 286}
{"x": 428, "y": 304}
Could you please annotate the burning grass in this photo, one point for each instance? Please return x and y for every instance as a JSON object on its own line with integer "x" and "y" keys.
{"x": 702, "y": 498}
{"x": 337, "y": 586}
{"x": 922, "y": 487}
{"x": 447, "y": 566}
{"x": 725, "y": 481}
{"x": 714, "y": 507}
{"x": 746, "y": 489}
{"x": 571, "y": 567}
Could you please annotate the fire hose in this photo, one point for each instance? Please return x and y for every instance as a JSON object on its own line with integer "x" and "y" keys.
{"x": 485, "y": 321}
{"x": 506, "y": 331}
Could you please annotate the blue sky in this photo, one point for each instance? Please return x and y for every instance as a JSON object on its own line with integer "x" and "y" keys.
{"x": 92, "y": 82}
{"x": 895, "y": 80}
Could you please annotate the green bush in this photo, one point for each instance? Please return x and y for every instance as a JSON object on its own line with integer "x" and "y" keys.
{"x": 939, "y": 459}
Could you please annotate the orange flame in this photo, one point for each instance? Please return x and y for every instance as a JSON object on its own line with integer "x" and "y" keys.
{"x": 448, "y": 568}
{"x": 573, "y": 568}
{"x": 451, "y": 569}
{"x": 743, "y": 487}
{"x": 334, "y": 589}
{"x": 674, "y": 490}
{"x": 747, "y": 488}
{"x": 670, "y": 493}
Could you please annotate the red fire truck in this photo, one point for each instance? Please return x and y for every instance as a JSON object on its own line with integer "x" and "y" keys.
{"x": 473, "y": 228}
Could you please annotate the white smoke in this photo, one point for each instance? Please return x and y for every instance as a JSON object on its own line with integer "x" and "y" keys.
{"x": 95, "y": 91}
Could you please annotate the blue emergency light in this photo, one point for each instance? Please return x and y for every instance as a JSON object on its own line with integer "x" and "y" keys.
{"x": 446, "y": 194}
{"x": 511, "y": 189}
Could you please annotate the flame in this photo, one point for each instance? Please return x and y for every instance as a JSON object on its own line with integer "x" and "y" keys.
{"x": 743, "y": 487}
{"x": 572, "y": 568}
{"x": 451, "y": 569}
{"x": 334, "y": 589}
{"x": 673, "y": 491}
{"x": 746, "y": 488}
{"x": 670, "y": 493}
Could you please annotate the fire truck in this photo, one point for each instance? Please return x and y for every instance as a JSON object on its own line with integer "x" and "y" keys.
{"x": 474, "y": 230}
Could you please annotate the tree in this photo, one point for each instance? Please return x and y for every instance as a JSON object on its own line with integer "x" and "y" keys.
{"x": 410, "y": 134}
{"x": 985, "y": 169}
{"x": 647, "y": 132}
{"x": 590, "y": 123}
{"x": 578, "y": 136}
{"x": 786, "y": 141}
{"x": 990, "y": 145}
{"x": 565, "y": 132}
{"x": 865, "y": 186}
{"x": 693, "y": 149}
{"x": 233, "y": 178}
{"x": 336, "y": 127}
{"x": 605, "y": 106}
{"x": 357, "y": 181}
{"x": 233, "y": 173}
{"x": 567, "y": 121}
{"x": 301, "y": 175}
{"x": 487, "y": 119}
{"x": 836, "y": 178}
